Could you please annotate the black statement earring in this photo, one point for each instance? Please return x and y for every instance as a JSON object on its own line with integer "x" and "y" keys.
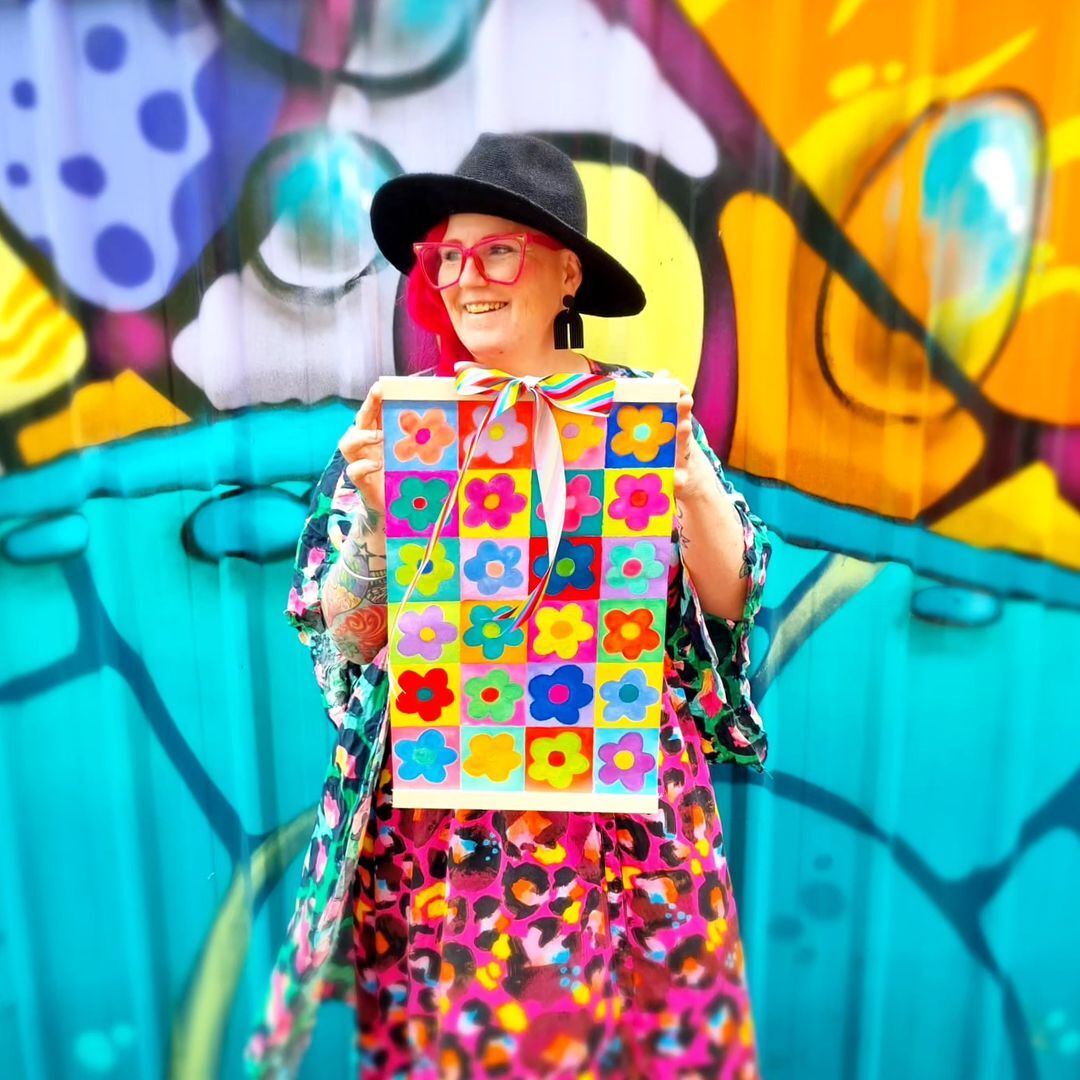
{"x": 569, "y": 331}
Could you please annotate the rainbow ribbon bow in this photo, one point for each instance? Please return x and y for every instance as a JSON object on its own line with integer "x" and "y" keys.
{"x": 585, "y": 393}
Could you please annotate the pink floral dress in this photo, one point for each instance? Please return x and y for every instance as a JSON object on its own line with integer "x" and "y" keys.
{"x": 486, "y": 943}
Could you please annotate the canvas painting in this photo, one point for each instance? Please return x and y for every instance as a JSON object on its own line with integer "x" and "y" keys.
{"x": 561, "y": 711}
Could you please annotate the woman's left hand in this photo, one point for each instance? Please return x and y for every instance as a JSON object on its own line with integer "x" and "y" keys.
{"x": 693, "y": 473}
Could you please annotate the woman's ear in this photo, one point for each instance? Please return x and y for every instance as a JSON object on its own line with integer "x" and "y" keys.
{"x": 571, "y": 273}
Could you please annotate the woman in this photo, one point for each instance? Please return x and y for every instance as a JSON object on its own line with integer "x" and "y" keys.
{"x": 514, "y": 943}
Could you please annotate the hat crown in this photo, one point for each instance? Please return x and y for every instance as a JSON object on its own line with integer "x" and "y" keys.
{"x": 531, "y": 168}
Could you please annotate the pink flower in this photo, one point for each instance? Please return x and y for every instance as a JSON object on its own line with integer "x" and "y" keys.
{"x": 580, "y": 503}
{"x": 320, "y": 861}
{"x": 296, "y": 605}
{"x": 331, "y": 811}
{"x": 492, "y": 502}
{"x": 303, "y": 945}
{"x": 640, "y": 498}
{"x": 316, "y": 557}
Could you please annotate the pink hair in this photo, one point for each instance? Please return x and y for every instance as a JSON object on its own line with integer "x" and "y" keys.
{"x": 426, "y": 309}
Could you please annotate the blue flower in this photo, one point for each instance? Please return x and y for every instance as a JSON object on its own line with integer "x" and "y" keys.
{"x": 493, "y": 568}
{"x": 490, "y": 633}
{"x": 573, "y": 569}
{"x": 561, "y": 695}
{"x": 426, "y": 756}
{"x": 629, "y": 698}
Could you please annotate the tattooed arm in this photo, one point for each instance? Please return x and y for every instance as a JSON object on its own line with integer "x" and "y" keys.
{"x": 354, "y": 591}
{"x": 711, "y": 529}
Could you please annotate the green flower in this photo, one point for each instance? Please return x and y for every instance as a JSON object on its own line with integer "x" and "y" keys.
{"x": 633, "y": 566}
{"x": 419, "y": 501}
{"x": 493, "y": 696}
{"x": 438, "y": 569}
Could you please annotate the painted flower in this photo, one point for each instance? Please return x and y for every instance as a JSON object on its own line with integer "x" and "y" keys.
{"x": 494, "y": 757}
{"x": 424, "y": 694}
{"x": 559, "y": 631}
{"x": 419, "y": 501}
{"x": 561, "y": 695}
{"x": 424, "y": 633}
{"x": 493, "y": 696}
{"x": 494, "y": 567}
{"x": 437, "y": 570}
{"x": 626, "y": 762}
{"x": 640, "y": 498}
{"x": 580, "y": 503}
{"x": 504, "y": 434}
{"x": 426, "y": 437}
{"x": 573, "y": 569}
{"x": 630, "y": 633}
{"x": 425, "y": 757}
{"x": 633, "y": 566}
{"x": 558, "y": 760}
{"x": 492, "y": 634}
{"x": 492, "y": 502}
{"x": 641, "y": 432}
{"x": 628, "y": 698}
{"x": 579, "y": 435}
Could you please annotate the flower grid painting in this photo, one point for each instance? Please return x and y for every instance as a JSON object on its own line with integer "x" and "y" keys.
{"x": 563, "y": 711}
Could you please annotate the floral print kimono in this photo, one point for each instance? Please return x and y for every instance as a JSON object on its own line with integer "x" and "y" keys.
{"x": 485, "y": 943}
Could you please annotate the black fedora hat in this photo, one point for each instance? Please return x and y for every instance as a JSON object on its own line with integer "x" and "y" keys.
{"x": 518, "y": 177}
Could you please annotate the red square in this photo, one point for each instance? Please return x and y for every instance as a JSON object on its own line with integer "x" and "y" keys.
{"x": 577, "y": 567}
{"x": 507, "y": 440}
{"x": 555, "y": 756}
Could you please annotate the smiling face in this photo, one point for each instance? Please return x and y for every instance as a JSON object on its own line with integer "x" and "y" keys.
{"x": 496, "y": 322}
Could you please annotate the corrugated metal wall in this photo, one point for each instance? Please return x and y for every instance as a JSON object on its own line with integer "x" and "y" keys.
{"x": 856, "y": 221}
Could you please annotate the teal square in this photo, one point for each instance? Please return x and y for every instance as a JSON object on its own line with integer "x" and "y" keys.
{"x": 585, "y": 504}
{"x": 403, "y": 556}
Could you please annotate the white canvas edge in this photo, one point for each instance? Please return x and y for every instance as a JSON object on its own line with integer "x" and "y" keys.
{"x": 457, "y": 799}
{"x": 442, "y": 388}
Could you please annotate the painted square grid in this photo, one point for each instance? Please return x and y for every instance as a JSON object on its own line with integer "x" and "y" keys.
{"x": 564, "y": 712}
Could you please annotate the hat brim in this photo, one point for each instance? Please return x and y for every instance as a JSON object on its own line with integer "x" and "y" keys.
{"x": 405, "y": 208}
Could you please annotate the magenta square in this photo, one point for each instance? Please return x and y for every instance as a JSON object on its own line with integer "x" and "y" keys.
{"x": 545, "y": 631}
{"x": 413, "y": 501}
{"x": 490, "y": 695}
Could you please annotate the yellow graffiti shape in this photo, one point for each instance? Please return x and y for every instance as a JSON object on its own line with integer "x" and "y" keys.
{"x": 41, "y": 345}
{"x": 99, "y": 413}
{"x": 1046, "y": 528}
{"x": 628, "y": 218}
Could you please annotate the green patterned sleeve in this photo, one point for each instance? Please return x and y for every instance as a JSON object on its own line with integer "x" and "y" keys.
{"x": 334, "y": 500}
{"x": 711, "y": 655}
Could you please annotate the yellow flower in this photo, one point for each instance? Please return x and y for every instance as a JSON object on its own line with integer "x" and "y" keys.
{"x": 558, "y": 760}
{"x": 561, "y": 631}
{"x": 439, "y": 568}
{"x": 579, "y": 434}
{"x": 642, "y": 432}
{"x": 492, "y": 756}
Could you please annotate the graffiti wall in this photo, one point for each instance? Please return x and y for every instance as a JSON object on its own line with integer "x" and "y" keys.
{"x": 857, "y": 225}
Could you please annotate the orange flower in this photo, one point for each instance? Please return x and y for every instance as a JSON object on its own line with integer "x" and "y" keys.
{"x": 426, "y": 437}
{"x": 643, "y": 432}
{"x": 630, "y": 633}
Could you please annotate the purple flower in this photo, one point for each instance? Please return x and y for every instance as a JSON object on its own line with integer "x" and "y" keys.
{"x": 424, "y": 633}
{"x": 626, "y": 762}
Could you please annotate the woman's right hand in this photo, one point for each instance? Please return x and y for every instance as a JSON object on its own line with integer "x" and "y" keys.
{"x": 362, "y": 448}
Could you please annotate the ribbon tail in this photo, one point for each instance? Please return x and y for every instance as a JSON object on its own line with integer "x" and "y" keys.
{"x": 551, "y": 473}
